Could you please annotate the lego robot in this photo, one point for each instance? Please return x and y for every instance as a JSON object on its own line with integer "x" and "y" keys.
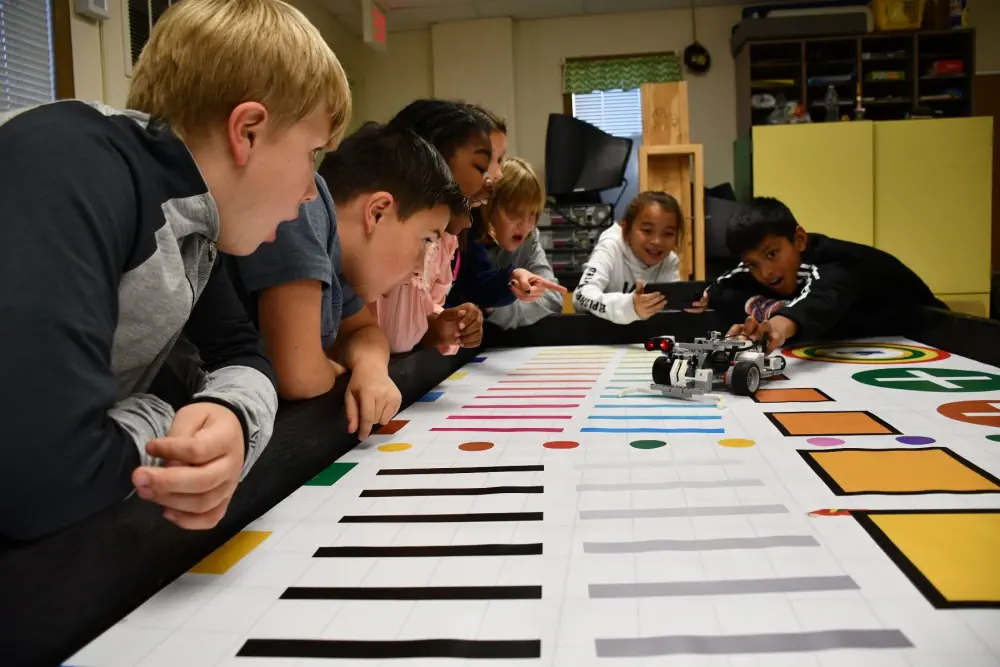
{"x": 686, "y": 370}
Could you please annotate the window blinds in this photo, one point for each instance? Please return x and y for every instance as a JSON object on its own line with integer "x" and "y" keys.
{"x": 26, "y": 69}
{"x": 617, "y": 112}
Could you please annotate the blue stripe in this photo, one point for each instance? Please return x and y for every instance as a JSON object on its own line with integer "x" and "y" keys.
{"x": 591, "y": 429}
{"x": 655, "y": 417}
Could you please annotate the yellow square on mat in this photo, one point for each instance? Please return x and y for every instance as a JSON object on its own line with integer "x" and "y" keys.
{"x": 898, "y": 471}
{"x": 230, "y": 553}
{"x": 950, "y": 555}
{"x": 458, "y": 375}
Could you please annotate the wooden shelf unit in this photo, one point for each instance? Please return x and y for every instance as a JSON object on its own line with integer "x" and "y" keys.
{"x": 794, "y": 68}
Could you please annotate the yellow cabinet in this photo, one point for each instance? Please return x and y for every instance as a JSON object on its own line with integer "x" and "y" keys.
{"x": 918, "y": 189}
{"x": 823, "y": 172}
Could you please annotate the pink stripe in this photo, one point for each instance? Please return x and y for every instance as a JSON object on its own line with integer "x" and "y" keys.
{"x": 509, "y": 417}
{"x": 536, "y": 396}
{"x": 498, "y": 430}
{"x": 538, "y": 388}
{"x": 555, "y": 373}
{"x": 530, "y": 407}
{"x": 562, "y": 381}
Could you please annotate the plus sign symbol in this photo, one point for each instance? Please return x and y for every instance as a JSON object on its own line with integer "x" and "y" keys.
{"x": 984, "y": 413}
{"x": 945, "y": 380}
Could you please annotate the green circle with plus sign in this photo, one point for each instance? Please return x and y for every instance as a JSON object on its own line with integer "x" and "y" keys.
{"x": 945, "y": 380}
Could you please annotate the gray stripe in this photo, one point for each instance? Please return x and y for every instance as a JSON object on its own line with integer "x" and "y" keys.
{"x": 664, "y": 486}
{"x": 668, "y": 512}
{"x": 784, "y": 642}
{"x": 658, "y": 589}
{"x": 620, "y": 465}
{"x": 724, "y": 543}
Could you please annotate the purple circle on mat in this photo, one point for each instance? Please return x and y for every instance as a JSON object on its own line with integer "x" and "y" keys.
{"x": 915, "y": 440}
{"x": 825, "y": 442}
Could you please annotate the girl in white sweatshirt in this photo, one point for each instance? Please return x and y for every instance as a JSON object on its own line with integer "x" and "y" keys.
{"x": 637, "y": 251}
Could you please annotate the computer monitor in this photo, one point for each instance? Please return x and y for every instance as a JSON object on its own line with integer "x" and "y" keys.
{"x": 581, "y": 158}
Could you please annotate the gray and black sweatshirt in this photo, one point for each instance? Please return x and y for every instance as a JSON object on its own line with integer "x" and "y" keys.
{"x": 107, "y": 268}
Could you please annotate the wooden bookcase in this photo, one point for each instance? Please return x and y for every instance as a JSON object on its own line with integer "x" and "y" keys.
{"x": 894, "y": 70}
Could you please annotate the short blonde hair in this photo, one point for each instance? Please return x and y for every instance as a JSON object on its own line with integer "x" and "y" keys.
{"x": 518, "y": 191}
{"x": 206, "y": 57}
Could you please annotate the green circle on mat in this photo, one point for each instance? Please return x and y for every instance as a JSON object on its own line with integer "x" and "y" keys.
{"x": 949, "y": 380}
{"x": 648, "y": 444}
{"x": 994, "y": 438}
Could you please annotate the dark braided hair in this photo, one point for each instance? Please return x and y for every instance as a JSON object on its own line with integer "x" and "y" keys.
{"x": 497, "y": 122}
{"x": 444, "y": 124}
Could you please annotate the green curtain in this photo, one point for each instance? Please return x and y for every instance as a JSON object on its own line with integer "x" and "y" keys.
{"x": 586, "y": 76}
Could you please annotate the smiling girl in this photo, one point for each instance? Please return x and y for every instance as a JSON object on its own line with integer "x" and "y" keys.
{"x": 637, "y": 252}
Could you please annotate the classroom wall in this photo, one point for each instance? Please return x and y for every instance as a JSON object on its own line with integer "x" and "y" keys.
{"x": 515, "y": 67}
{"x": 99, "y": 58}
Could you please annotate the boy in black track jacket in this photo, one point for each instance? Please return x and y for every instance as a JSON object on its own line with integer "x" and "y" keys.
{"x": 797, "y": 286}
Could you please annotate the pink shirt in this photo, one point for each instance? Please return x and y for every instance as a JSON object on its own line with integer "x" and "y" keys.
{"x": 403, "y": 310}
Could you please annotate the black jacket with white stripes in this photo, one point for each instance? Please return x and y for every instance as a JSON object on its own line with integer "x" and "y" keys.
{"x": 845, "y": 290}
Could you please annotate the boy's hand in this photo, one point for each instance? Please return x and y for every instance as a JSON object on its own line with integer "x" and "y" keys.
{"x": 647, "y": 305}
{"x": 778, "y": 329}
{"x": 371, "y": 398}
{"x": 700, "y": 305}
{"x": 203, "y": 451}
{"x": 529, "y": 287}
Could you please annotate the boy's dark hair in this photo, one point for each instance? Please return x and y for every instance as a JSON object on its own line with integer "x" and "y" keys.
{"x": 649, "y": 197}
{"x": 498, "y": 124}
{"x": 445, "y": 124}
{"x": 377, "y": 157}
{"x": 762, "y": 217}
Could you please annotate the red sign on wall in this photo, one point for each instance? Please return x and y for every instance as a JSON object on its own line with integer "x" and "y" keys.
{"x": 375, "y": 32}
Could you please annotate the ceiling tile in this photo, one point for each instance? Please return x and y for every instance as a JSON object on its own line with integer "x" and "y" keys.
{"x": 408, "y": 19}
{"x": 529, "y": 9}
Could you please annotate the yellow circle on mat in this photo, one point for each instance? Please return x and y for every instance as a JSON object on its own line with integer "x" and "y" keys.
{"x": 394, "y": 447}
{"x": 736, "y": 442}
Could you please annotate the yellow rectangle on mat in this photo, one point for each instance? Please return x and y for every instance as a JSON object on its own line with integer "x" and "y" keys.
{"x": 931, "y": 470}
{"x": 231, "y": 553}
{"x": 956, "y": 554}
{"x": 458, "y": 375}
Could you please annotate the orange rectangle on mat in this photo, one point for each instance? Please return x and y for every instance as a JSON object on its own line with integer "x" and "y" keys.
{"x": 392, "y": 427}
{"x": 855, "y": 422}
{"x": 231, "y": 553}
{"x": 804, "y": 395}
{"x": 951, "y": 556}
{"x": 898, "y": 471}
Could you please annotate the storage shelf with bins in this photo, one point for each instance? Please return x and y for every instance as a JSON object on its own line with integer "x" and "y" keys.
{"x": 898, "y": 75}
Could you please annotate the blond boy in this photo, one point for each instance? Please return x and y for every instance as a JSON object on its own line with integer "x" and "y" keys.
{"x": 111, "y": 226}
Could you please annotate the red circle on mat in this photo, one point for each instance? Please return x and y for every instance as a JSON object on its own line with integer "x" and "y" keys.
{"x": 561, "y": 444}
{"x": 475, "y": 446}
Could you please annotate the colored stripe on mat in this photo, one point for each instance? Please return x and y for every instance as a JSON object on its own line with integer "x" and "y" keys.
{"x": 497, "y": 430}
{"x": 785, "y": 642}
{"x": 593, "y": 429}
{"x": 628, "y": 417}
{"x": 442, "y": 551}
{"x": 468, "y": 649}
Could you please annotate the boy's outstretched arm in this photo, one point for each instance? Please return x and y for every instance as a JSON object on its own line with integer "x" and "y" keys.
{"x": 70, "y": 230}
{"x": 372, "y": 397}
{"x": 824, "y": 299}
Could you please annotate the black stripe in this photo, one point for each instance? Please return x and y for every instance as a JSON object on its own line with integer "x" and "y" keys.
{"x": 442, "y": 518}
{"x": 431, "y": 551}
{"x": 413, "y": 648}
{"x": 413, "y": 593}
{"x": 459, "y": 471}
{"x": 483, "y": 491}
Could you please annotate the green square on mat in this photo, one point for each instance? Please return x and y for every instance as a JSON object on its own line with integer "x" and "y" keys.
{"x": 330, "y": 475}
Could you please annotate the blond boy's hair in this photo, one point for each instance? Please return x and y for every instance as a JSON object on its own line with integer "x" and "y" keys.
{"x": 518, "y": 191}
{"x": 206, "y": 57}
